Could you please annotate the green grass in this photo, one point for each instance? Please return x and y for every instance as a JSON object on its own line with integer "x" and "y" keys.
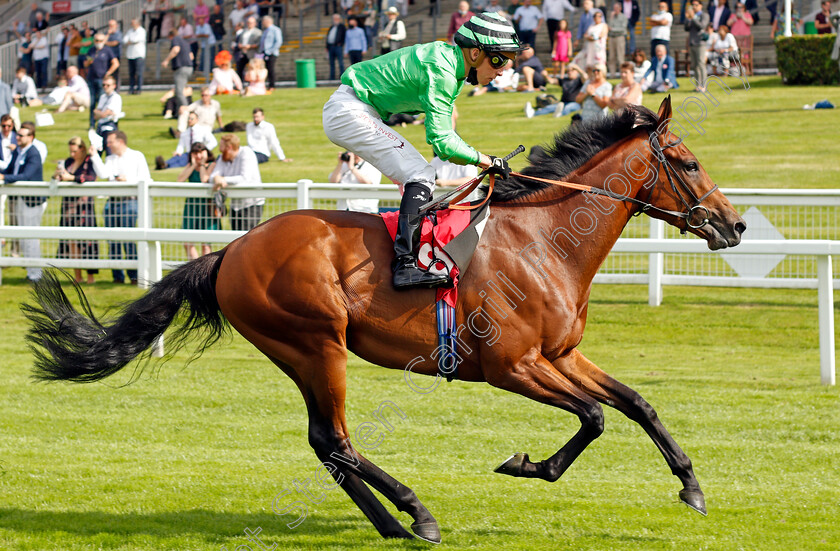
{"x": 188, "y": 458}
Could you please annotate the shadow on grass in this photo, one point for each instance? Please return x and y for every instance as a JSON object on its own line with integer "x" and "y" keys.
{"x": 213, "y": 526}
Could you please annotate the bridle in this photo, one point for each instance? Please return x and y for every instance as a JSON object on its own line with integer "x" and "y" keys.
{"x": 645, "y": 206}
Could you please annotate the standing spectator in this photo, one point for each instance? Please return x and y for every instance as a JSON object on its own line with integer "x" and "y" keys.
{"x": 458, "y": 18}
{"x": 74, "y": 40}
{"x": 238, "y": 165}
{"x": 205, "y": 40}
{"x": 393, "y": 33}
{"x": 562, "y": 49}
{"x": 208, "y": 110}
{"x": 823, "y": 19}
{"x": 150, "y": 10}
{"x": 195, "y": 133}
{"x": 108, "y": 110}
{"x": 101, "y": 64}
{"x": 554, "y": 11}
{"x": 225, "y": 80}
{"x": 335, "y": 45}
{"x": 85, "y": 48}
{"x": 270, "y": 42}
{"x": 631, "y": 11}
{"x": 718, "y": 13}
{"x": 617, "y": 23}
{"x": 660, "y": 30}
{"x": 122, "y": 165}
{"x": 495, "y": 7}
{"x": 586, "y": 20}
{"x": 169, "y": 9}
{"x": 5, "y": 97}
{"x": 530, "y": 20}
{"x": 114, "y": 41}
{"x": 628, "y": 91}
{"x": 25, "y": 52}
{"x": 352, "y": 169}
{"x": 355, "y": 41}
{"x": 78, "y": 212}
{"x": 595, "y": 95}
{"x": 662, "y": 69}
{"x": 696, "y": 21}
{"x": 198, "y": 211}
{"x": 594, "y": 49}
{"x": 26, "y": 166}
{"x": 217, "y": 24}
{"x": 186, "y": 31}
{"x": 741, "y": 21}
{"x": 201, "y": 10}
{"x": 181, "y": 59}
{"x": 62, "y": 40}
{"x": 23, "y": 88}
{"x": 237, "y": 14}
{"x": 135, "y": 52}
{"x": 249, "y": 43}
{"x": 41, "y": 58}
{"x": 77, "y": 97}
{"x": 262, "y": 138}
{"x": 38, "y": 18}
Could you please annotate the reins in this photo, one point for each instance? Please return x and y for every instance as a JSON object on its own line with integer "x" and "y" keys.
{"x": 451, "y": 199}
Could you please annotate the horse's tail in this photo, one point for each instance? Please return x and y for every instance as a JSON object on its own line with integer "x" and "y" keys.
{"x": 74, "y": 346}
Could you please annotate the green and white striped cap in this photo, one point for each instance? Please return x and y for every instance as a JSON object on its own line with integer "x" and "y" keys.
{"x": 490, "y": 32}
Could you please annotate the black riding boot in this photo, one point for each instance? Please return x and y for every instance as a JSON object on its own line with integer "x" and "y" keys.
{"x": 406, "y": 273}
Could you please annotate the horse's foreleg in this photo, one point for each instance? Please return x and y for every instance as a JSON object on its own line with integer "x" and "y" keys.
{"x": 607, "y": 390}
{"x": 535, "y": 378}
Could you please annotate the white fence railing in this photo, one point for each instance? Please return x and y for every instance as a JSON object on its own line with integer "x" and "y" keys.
{"x": 794, "y": 241}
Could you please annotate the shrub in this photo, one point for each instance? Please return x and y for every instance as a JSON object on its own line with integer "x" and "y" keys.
{"x": 806, "y": 59}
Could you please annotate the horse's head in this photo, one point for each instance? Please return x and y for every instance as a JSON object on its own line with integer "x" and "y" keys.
{"x": 682, "y": 186}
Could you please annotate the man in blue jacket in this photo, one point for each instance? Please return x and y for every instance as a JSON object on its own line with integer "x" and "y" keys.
{"x": 663, "y": 71}
{"x": 26, "y": 166}
{"x": 270, "y": 42}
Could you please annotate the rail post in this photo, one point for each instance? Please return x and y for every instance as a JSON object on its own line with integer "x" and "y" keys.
{"x": 825, "y": 295}
{"x": 656, "y": 264}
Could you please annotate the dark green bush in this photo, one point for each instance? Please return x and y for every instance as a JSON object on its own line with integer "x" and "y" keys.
{"x": 806, "y": 59}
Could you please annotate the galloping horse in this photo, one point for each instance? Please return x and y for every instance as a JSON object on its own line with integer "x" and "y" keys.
{"x": 307, "y": 286}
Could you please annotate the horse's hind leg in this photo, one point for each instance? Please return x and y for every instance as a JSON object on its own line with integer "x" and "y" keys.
{"x": 607, "y": 390}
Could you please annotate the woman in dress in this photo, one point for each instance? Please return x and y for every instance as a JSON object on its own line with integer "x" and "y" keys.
{"x": 562, "y": 49}
{"x": 199, "y": 211}
{"x": 225, "y": 79}
{"x": 77, "y": 212}
{"x": 595, "y": 43}
{"x": 595, "y": 95}
{"x": 628, "y": 91}
{"x": 255, "y": 75}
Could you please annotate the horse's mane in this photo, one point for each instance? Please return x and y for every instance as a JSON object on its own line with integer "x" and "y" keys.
{"x": 572, "y": 148}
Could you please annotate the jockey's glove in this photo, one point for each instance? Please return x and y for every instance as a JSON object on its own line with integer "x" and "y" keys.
{"x": 499, "y": 167}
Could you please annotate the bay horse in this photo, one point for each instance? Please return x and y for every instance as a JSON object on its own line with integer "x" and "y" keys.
{"x": 307, "y": 286}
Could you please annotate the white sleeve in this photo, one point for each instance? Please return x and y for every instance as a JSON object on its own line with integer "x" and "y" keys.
{"x": 274, "y": 143}
{"x": 210, "y": 141}
{"x": 142, "y": 169}
{"x": 103, "y": 171}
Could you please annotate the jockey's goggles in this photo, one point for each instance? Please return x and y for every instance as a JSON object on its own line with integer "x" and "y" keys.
{"x": 497, "y": 60}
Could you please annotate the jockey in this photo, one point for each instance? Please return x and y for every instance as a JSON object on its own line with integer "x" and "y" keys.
{"x": 425, "y": 78}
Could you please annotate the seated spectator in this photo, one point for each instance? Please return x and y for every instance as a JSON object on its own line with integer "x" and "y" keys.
{"x": 78, "y": 212}
{"x": 352, "y": 169}
{"x": 238, "y": 165}
{"x": 628, "y": 91}
{"x": 195, "y": 133}
{"x": 571, "y": 85}
{"x": 450, "y": 175}
{"x": 77, "y": 97}
{"x": 108, "y": 111}
{"x": 255, "y": 75}
{"x": 208, "y": 110}
{"x": 741, "y": 21}
{"x": 27, "y": 166}
{"x": 506, "y": 82}
{"x": 723, "y": 51}
{"x": 170, "y": 102}
{"x": 199, "y": 212}
{"x": 56, "y": 95}
{"x": 23, "y": 88}
{"x": 122, "y": 165}
{"x": 596, "y": 94}
{"x": 262, "y": 138}
{"x": 531, "y": 69}
{"x": 225, "y": 79}
{"x": 641, "y": 65}
{"x": 662, "y": 74}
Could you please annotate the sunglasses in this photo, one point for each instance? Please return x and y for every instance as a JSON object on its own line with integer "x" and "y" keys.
{"x": 21, "y": 135}
{"x": 497, "y": 61}
{"x": 5, "y": 125}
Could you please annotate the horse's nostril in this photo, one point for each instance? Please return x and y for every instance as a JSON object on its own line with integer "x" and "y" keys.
{"x": 740, "y": 227}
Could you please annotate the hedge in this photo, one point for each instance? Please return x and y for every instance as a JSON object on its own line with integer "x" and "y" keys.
{"x": 806, "y": 59}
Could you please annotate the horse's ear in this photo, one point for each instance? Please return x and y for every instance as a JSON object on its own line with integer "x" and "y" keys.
{"x": 664, "y": 113}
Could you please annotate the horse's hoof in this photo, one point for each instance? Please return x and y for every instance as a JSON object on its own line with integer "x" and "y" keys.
{"x": 513, "y": 465}
{"x": 695, "y": 500}
{"x": 427, "y": 531}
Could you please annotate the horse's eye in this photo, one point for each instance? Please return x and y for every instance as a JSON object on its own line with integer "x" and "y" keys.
{"x": 691, "y": 166}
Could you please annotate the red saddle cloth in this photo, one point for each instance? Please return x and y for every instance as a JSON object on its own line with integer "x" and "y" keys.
{"x": 445, "y": 247}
